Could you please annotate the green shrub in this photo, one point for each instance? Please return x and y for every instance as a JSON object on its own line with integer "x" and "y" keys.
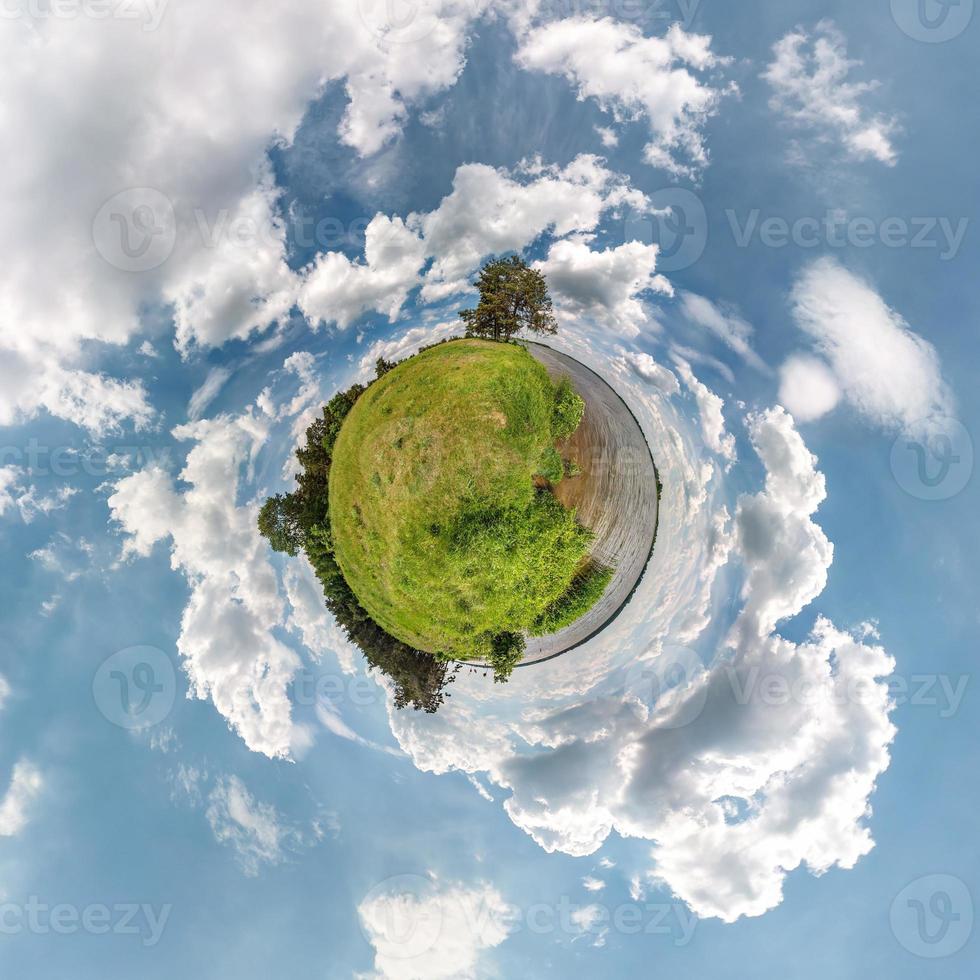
{"x": 584, "y": 592}
{"x": 551, "y": 467}
{"x": 506, "y": 650}
{"x": 568, "y": 410}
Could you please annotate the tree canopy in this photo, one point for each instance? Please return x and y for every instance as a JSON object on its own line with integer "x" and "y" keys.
{"x": 513, "y": 297}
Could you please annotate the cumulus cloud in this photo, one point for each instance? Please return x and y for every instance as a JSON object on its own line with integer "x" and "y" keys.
{"x": 523, "y": 204}
{"x": 490, "y": 211}
{"x": 24, "y": 788}
{"x": 432, "y": 930}
{"x": 607, "y": 136}
{"x": 230, "y": 653}
{"x": 10, "y": 477}
{"x": 604, "y": 286}
{"x": 242, "y": 282}
{"x": 227, "y": 640}
{"x": 337, "y": 290}
{"x": 179, "y": 127}
{"x": 785, "y": 554}
{"x": 808, "y": 76}
{"x": 890, "y": 374}
{"x": 662, "y": 80}
{"x": 807, "y": 387}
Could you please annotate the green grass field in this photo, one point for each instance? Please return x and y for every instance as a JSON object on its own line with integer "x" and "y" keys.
{"x": 436, "y": 522}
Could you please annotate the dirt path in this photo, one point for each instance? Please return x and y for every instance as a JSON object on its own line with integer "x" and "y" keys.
{"x": 616, "y": 496}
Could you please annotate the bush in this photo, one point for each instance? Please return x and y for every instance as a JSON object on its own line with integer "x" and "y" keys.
{"x": 584, "y": 592}
{"x": 551, "y": 468}
{"x": 568, "y": 410}
{"x": 506, "y": 650}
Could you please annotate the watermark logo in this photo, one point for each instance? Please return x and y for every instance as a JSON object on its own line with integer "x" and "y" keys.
{"x": 932, "y": 916}
{"x": 932, "y": 21}
{"x": 937, "y": 464}
{"x": 406, "y": 916}
{"x": 136, "y": 687}
{"x": 677, "y": 223}
{"x": 136, "y": 229}
{"x": 667, "y": 690}
{"x": 405, "y": 21}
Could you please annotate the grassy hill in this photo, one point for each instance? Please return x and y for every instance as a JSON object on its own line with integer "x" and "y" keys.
{"x": 441, "y": 522}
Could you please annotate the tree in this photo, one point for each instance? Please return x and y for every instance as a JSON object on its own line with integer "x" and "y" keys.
{"x": 513, "y": 297}
{"x": 506, "y": 650}
{"x": 382, "y": 367}
{"x": 281, "y": 521}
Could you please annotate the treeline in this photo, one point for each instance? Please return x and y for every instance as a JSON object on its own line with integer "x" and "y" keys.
{"x": 300, "y": 521}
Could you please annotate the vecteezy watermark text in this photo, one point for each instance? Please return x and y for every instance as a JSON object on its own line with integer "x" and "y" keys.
{"x": 412, "y": 915}
{"x": 38, "y": 918}
{"x": 148, "y": 13}
{"x": 38, "y": 459}
{"x": 835, "y": 229}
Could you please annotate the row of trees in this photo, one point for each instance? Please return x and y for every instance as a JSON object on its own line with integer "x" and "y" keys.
{"x": 300, "y": 521}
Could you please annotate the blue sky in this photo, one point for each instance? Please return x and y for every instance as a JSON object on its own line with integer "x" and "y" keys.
{"x": 315, "y": 188}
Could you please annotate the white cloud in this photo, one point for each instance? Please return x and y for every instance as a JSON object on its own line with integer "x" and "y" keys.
{"x": 207, "y": 392}
{"x": 65, "y": 556}
{"x": 532, "y": 200}
{"x": 716, "y": 436}
{"x": 660, "y": 79}
{"x": 643, "y": 365}
{"x": 591, "y": 884}
{"x": 608, "y": 136}
{"x": 786, "y": 555}
{"x": 254, "y": 830}
{"x": 808, "y": 76}
{"x": 522, "y": 205}
{"x": 34, "y": 380}
{"x": 164, "y": 109}
{"x": 434, "y": 932}
{"x": 241, "y": 283}
{"x": 885, "y": 370}
{"x": 604, "y": 286}
{"x": 310, "y": 619}
{"x": 230, "y": 650}
{"x": 230, "y": 653}
{"x": 338, "y": 290}
{"x": 593, "y": 920}
{"x": 807, "y": 387}
{"x": 726, "y": 324}
{"x": 24, "y": 788}
{"x": 10, "y": 477}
